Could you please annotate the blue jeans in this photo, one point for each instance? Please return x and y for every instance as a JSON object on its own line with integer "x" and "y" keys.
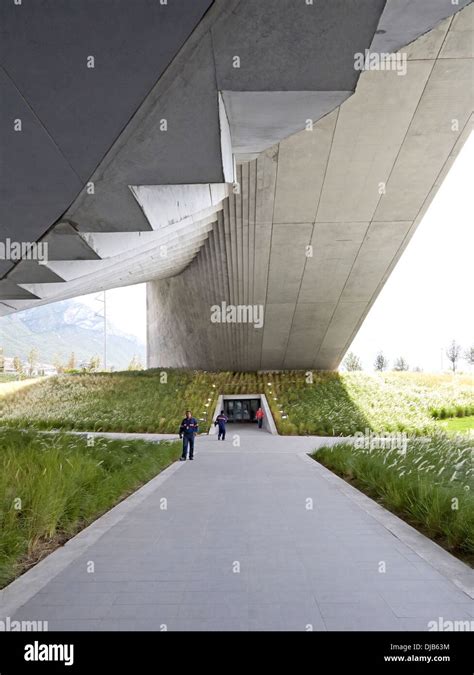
{"x": 221, "y": 433}
{"x": 188, "y": 439}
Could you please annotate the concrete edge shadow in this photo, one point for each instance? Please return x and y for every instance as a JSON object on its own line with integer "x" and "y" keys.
{"x": 445, "y": 563}
{"x": 22, "y": 589}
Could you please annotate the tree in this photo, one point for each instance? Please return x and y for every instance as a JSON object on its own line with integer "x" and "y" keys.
{"x": 469, "y": 355}
{"x": 352, "y": 362}
{"x": 32, "y": 360}
{"x": 381, "y": 362}
{"x": 18, "y": 365}
{"x": 135, "y": 364}
{"x": 2, "y": 360}
{"x": 58, "y": 364}
{"x": 400, "y": 364}
{"x": 71, "y": 363}
{"x": 453, "y": 353}
{"x": 94, "y": 364}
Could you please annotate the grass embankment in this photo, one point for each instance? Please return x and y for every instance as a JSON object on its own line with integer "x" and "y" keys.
{"x": 340, "y": 405}
{"x": 8, "y": 377}
{"x": 128, "y": 402}
{"x": 457, "y": 425}
{"x": 324, "y": 404}
{"x": 11, "y": 386}
{"x": 52, "y": 486}
{"x": 431, "y": 486}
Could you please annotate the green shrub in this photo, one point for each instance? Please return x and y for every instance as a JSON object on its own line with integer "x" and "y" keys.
{"x": 64, "y": 484}
{"x": 421, "y": 485}
{"x": 332, "y": 404}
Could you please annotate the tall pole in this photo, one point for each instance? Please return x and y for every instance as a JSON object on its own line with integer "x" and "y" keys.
{"x": 103, "y": 316}
{"x": 105, "y": 330}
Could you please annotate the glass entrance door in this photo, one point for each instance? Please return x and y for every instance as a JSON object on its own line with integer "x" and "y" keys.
{"x": 241, "y": 410}
{"x": 237, "y": 411}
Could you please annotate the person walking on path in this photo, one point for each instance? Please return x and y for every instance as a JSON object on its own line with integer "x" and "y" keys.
{"x": 187, "y": 431}
{"x": 259, "y": 416}
{"x": 221, "y": 421}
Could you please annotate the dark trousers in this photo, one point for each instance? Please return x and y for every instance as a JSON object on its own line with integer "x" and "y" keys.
{"x": 188, "y": 439}
{"x": 221, "y": 434}
{"x": 260, "y": 422}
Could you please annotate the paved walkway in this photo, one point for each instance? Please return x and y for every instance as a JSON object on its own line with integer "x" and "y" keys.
{"x": 237, "y": 548}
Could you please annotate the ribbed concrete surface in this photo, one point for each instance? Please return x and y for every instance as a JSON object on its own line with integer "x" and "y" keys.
{"x": 217, "y": 112}
{"x": 353, "y": 189}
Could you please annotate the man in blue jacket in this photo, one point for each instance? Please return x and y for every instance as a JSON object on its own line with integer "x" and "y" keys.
{"x": 221, "y": 420}
{"x": 187, "y": 431}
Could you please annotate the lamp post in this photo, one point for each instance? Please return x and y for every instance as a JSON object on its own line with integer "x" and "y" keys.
{"x": 103, "y": 300}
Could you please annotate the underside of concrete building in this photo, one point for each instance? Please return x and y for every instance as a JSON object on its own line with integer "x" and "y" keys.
{"x": 261, "y": 164}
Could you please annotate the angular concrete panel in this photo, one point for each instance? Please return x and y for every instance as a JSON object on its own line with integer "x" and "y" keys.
{"x": 259, "y": 119}
{"x": 342, "y": 321}
{"x": 278, "y": 319}
{"x": 459, "y": 43}
{"x": 439, "y": 119}
{"x": 29, "y": 272}
{"x": 10, "y": 290}
{"x": 302, "y": 164}
{"x": 428, "y": 45}
{"x": 370, "y": 128}
{"x": 293, "y": 46}
{"x": 37, "y": 182}
{"x": 403, "y": 21}
{"x": 309, "y": 326}
{"x": 287, "y": 261}
{"x": 324, "y": 188}
{"x": 65, "y": 242}
{"x": 173, "y": 140}
{"x": 48, "y": 42}
{"x": 380, "y": 246}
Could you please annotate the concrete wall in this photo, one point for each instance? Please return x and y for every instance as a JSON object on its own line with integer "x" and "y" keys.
{"x": 353, "y": 189}
{"x": 167, "y": 189}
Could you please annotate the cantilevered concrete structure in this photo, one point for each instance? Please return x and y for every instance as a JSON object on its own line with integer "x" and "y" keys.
{"x": 229, "y": 153}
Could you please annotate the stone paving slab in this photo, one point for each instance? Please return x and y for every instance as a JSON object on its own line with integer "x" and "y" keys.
{"x": 237, "y": 548}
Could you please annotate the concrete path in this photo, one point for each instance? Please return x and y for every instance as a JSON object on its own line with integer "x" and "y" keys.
{"x": 239, "y": 547}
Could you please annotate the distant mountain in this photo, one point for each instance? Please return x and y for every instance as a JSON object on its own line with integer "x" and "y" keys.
{"x": 63, "y": 327}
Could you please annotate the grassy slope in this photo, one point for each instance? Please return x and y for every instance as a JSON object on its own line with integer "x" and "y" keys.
{"x": 457, "y": 424}
{"x": 7, "y": 377}
{"x": 53, "y": 486}
{"x": 154, "y": 401}
{"x": 431, "y": 486}
{"x": 385, "y": 401}
{"x": 12, "y": 386}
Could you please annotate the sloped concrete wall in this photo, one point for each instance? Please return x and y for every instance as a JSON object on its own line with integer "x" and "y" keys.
{"x": 321, "y": 219}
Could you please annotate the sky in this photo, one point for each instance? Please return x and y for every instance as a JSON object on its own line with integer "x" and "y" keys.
{"x": 126, "y": 308}
{"x": 425, "y": 303}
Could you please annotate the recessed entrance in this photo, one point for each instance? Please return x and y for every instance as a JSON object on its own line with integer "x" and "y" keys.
{"x": 241, "y": 409}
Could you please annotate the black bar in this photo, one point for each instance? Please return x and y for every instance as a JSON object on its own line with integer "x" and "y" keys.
{"x": 96, "y": 652}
